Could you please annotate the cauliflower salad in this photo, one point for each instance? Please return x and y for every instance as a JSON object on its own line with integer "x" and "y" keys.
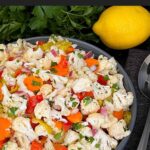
{"x": 55, "y": 96}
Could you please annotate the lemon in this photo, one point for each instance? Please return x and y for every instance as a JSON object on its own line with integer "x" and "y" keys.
{"x": 123, "y": 27}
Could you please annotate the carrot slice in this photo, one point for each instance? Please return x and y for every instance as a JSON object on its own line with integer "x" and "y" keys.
{"x": 33, "y": 83}
{"x": 70, "y": 49}
{"x": 2, "y": 143}
{"x": 1, "y": 95}
{"x": 58, "y": 124}
{"x": 5, "y": 124}
{"x": 36, "y": 145}
{"x": 118, "y": 114}
{"x": 91, "y": 62}
{"x": 59, "y": 146}
{"x": 75, "y": 118}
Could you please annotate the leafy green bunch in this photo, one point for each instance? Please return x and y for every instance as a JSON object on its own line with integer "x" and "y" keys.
{"x": 70, "y": 21}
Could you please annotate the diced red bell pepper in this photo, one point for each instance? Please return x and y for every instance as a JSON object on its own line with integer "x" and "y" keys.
{"x": 82, "y": 95}
{"x": 102, "y": 80}
{"x": 18, "y": 72}
{"x": 40, "y": 43}
{"x": 1, "y": 72}
{"x": 32, "y": 102}
{"x": 67, "y": 126}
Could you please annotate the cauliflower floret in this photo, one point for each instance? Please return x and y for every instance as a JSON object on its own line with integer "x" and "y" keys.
{"x": 21, "y": 85}
{"x": 120, "y": 81}
{"x": 8, "y": 78}
{"x": 92, "y": 107}
{"x": 22, "y": 141}
{"x": 60, "y": 101}
{"x": 3, "y": 55}
{"x": 57, "y": 115}
{"x": 42, "y": 109}
{"x": 86, "y": 131}
{"x": 45, "y": 90}
{"x": 48, "y": 145}
{"x": 11, "y": 146}
{"x": 100, "y": 91}
{"x": 71, "y": 137}
{"x": 76, "y": 146}
{"x": 76, "y": 61}
{"x": 120, "y": 132}
{"x": 13, "y": 65}
{"x": 43, "y": 63}
{"x": 106, "y": 142}
{"x": 50, "y": 56}
{"x": 43, "y": 74}
{"x": 96, "y": 120}
{"x": 82, "y": 84}
{"x": 23, "y": 126}
{"x": 122, "y": 99}
{"x": 31, "y": 56}
{"x": 108, "y": 65}
{"x": 40, "y": 131}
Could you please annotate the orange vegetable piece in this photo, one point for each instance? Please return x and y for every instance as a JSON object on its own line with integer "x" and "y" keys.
{"x": 33, "y": 83}
{"x": 118, "y": 114}
{"x": 1, "y": 95}
{"x": 70, "y": 49}
{"x": 62, "y": 68}
{"x": 58, "y": 124}
{"x": 2, "y": 143}
{"x": 5, "y": 124}
{"x": 18, "y": 72}
{"x": 1, "y": 84}
{"x": 91, "y": 62}
{"x": 59, "y": 146}
{"x": 75, "y": 118}
{"x": 36, "y": 145}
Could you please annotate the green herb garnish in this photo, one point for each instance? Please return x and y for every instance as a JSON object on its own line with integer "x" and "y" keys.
{"x": 77, "y": 126}
{"x": 87, "y": 100}
{"x": 72, "y": 98}
{"x": 106, "y": 77}
{"x": 35, "y": 83}
{"x": 115, "y": 87}
{"x": 37, "y": 71}
{"x": 80, "y": 55}
{"x": 97, "y": 145}
{"x": 53, "y": 70}
{"x": 12, "y": 111}
{"x": 90, "y": 139}
{"x": 57, "y": 136}
{"x": 53, "y": 63}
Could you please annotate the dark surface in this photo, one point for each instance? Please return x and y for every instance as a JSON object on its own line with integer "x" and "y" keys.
{"x": 132, "y": 65}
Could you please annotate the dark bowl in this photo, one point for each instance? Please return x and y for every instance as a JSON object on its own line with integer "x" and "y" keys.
{"x": 127, "y": 82}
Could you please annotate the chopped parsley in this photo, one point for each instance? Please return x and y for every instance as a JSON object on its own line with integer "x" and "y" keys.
{"x": 115, "y": 87}
{"x": 80, "y": 55}
{"x": 74, "y": 104}
{"x": 53, "y": 63}
{"x": 53, "y": 70}
{"x": 77, "y": 126}
{"x": 37, "y": 71}
{"x": 57, "y": 136}
{"x": 87, "y": 100}
{"x": 72, "y": 98}
{"x": 35, "y": 83}
{"x": 81, "y": 136}
{"x": 97, "y": 145}
{"x": 12, "y": 111}
{"x": 106, "y": 77}
{"x": 90, "y": 139}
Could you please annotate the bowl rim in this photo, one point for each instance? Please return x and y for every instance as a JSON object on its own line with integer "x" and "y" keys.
{"x": 80, "y": 43}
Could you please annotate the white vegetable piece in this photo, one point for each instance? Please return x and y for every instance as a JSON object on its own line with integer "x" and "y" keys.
{"x": 22, "y": 140}
{"x": 10, "y": 145}
{"x": 60, "y": 101}
{"x": 40, "y": 131}
{"x": 45, "y": 90}
{"x": 71, "y": 137}
{"x": 81, "y": 85}
{"x": 118, "y": 131}
{"x": 122, "y": 99}
{"x": 48, "y": 145}
{"x": 86, "y": 131}
{"x": 106, "y": 142}
{"x": 92, "y": 107}
{"x": 42, "y": 109}
{"x": 100, "y": 91}
{"x": 23, "y": 126}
